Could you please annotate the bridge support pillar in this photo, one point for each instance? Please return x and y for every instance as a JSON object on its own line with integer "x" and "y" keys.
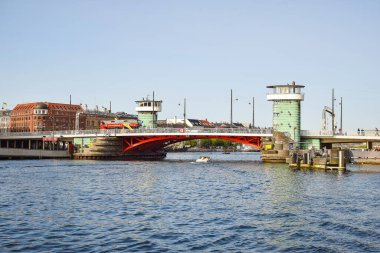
{"x": 7, "y": 143}
{"x": 29, "y": 144}
{"x": 369, "y": 145}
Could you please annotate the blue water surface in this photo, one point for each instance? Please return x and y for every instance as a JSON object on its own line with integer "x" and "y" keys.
{"x": 234, "y": 203}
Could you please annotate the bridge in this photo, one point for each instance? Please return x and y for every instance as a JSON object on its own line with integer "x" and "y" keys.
{"x": 125, "y": 141}
{"x": 145, "y": 140}
{"x": 327, "y": 138}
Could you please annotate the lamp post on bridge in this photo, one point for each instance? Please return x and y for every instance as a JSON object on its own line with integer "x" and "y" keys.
{"x": 253, "y": 112}
{"x": 184, "y": 112}
{"x": 231, "y": 116}
{"x": 153, "y": 121}
{"x": 341, "y": 115}
{"x": 70, "y": 115}
{"x": 333, "y": 112}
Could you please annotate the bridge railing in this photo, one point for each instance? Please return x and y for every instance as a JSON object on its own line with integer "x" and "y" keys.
{"x": 372, "y": 133}
{"x": 110, "y": 132}
{"x": 316, "y": 133}
{"x": 113, "y": 132}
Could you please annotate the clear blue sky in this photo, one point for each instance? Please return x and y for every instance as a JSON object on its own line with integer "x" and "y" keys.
{"x": 121, "y": 51}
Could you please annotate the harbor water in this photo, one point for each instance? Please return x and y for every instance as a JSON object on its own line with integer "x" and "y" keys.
{"x": 234, "y": 203}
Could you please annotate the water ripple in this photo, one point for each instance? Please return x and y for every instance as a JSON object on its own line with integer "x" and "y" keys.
{"x": 234, "y": 204}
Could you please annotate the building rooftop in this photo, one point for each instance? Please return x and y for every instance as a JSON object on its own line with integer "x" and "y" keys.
{"x": 41, "y": 105}
{"x": 5, "y": 113}
{"x": 293, "y": 85}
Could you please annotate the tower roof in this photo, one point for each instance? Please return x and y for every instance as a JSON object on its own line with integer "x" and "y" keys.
{"x": 293, "y": 85}
{"x": 148, "y": 100}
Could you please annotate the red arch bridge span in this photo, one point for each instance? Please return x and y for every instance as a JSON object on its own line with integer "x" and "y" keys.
{"x": 152, "y": 142}
{"x": 124, "y": 143}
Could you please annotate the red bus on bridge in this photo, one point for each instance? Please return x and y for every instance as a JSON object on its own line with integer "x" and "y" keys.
{"x": 120, "y": 124}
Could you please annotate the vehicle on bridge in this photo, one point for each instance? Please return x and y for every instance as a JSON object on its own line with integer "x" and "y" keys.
{"x": 120, "y": 124}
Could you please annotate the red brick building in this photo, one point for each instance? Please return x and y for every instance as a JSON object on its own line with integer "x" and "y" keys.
{"x": 35, "y": 117}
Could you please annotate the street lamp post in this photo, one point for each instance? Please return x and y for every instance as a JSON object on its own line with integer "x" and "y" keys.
{"x": 231, "y": 116}
{"x": 253, "y": 112}
{"x": 70, "y": 115}
{"x": 184, "y": 112}
{"x": 341, "y": 114}
{"x": 153, "y": 118}
{"x": 333, "y": 112}
{"x": 231, "y": 110}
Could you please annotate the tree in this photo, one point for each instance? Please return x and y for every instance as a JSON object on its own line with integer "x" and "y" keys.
{"x": 205, "y": 143}
{"x": 218, "y": 143}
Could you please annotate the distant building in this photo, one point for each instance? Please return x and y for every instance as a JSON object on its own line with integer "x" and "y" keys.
{"x": 43, "y": 116}
{"x": 189, "y": 123}
{"x": 5, "y": 119}
{"x": 239, "y": 125}
{"x": 91, "y": 119}
{"x": 205, "y": 123}
{"x": 193, "y": 123}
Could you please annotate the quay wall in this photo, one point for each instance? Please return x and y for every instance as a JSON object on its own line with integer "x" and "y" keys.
{"x": 17, "y": 153}
{"x": 365, "y": 157}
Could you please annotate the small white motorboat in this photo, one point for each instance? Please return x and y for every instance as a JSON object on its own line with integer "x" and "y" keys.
{"x": 203, "y": 159}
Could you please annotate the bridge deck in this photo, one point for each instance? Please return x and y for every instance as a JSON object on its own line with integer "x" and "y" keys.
{"x": 325, "y": 136}
{"x": 140, "y": 132}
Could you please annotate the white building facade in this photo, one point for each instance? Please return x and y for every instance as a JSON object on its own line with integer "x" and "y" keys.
{"x": 5, "y": 119}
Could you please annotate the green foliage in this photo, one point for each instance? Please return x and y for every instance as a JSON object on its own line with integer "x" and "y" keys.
{"x": 216, "y": 143}
{"x": 191, "y": 143}
{"x": 206, "y": 143}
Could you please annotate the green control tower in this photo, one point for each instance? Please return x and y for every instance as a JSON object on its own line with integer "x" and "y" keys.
{"x": 287, "y": 109}
{"x": 147, "y": 110}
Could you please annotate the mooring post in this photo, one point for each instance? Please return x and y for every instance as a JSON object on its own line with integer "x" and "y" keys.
{"x": 342, "y": 161}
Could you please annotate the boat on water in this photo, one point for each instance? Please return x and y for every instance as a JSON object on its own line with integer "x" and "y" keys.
{"x": 203, "y": 159}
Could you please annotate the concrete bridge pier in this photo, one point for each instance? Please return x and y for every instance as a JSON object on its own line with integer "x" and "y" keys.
{"x": 369, "y": 145}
